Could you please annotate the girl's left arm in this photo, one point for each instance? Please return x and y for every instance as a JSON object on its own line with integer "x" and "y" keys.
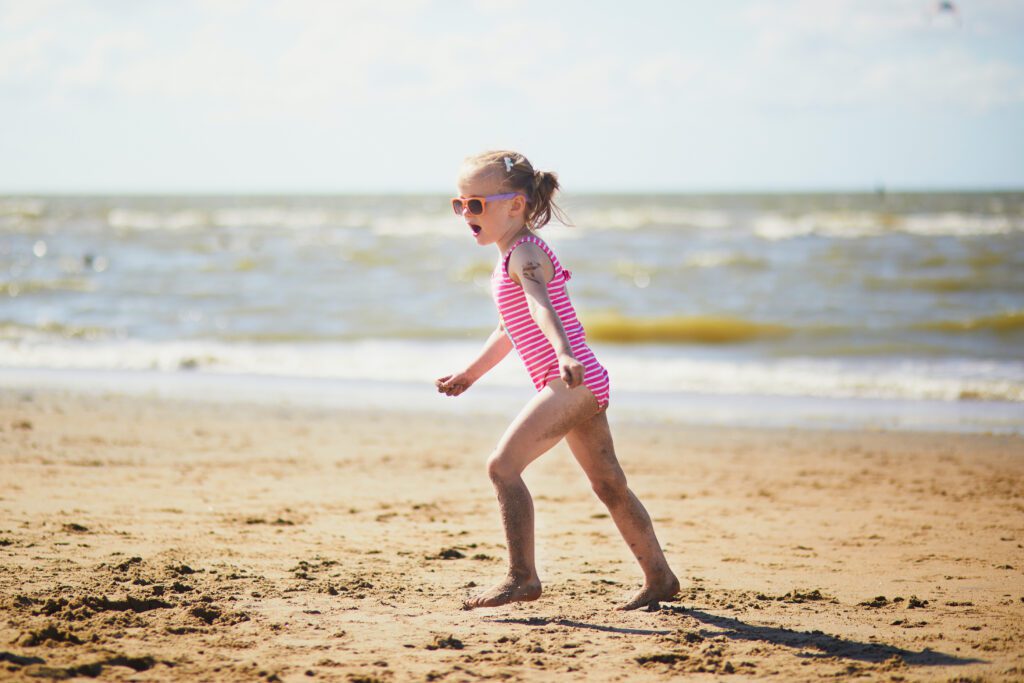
{"x": 532, "y": 269}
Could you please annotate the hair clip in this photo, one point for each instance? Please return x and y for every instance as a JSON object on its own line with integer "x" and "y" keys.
{"x": 508, "y": 165}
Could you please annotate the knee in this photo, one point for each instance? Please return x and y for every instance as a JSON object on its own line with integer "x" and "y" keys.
{"x": 499, "y": 469}
{"x": 611, "y": 489}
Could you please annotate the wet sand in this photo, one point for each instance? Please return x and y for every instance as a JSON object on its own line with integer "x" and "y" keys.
{"x": 150, "y": 539}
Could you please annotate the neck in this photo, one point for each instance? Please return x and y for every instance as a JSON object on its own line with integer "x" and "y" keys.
{"x": 510, "y": 238}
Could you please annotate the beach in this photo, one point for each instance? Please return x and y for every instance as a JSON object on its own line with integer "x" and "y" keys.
{"x": 155, "y": 538}
{"x": 244, "y": 255}
{"x": 222, "y": 457}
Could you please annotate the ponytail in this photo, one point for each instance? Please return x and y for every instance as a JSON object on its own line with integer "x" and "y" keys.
{"x": 545, "y": 185}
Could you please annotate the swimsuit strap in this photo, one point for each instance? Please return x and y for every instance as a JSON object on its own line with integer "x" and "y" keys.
{"x": 545, "y": 248}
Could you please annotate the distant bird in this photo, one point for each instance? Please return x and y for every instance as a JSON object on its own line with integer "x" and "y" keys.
{"x": 948, "y": 8}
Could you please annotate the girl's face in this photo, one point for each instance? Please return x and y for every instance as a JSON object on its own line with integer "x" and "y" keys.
{"x": 501, "y": 218}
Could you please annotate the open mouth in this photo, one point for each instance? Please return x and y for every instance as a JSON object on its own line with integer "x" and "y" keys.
{"x": 475, "y": 228}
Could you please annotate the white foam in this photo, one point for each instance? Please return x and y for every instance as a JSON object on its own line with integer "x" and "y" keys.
{"x": 272, "y": 216}
{"x": 133, "y": 219}
{"x": 410, "y": 225}
{"x": 717, "y": 259}
{"x": 857, "y": 224}
{"x": 888, "y": 379}
{"x": 297, "y": 219}
{"x": 637, "y": 369}
{"x": 961, "y": 224}
{"x": 22, "y": 207}
{"x": 678, "y": 408}
{"x": 645, "y": 214}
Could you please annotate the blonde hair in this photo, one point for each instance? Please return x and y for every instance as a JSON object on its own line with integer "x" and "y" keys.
{"x": 518, "y": 175}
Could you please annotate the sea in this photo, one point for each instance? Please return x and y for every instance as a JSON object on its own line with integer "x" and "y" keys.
{"x": 875, "y": 310}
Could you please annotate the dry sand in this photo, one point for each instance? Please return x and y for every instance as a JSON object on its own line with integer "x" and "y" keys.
{"x": 145, "y": 539}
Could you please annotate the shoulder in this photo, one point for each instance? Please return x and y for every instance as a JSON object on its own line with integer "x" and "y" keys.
{"x": 527, "y": 251}
{"x": 529, "y": 261}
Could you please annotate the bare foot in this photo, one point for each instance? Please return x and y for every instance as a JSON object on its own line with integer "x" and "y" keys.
{"x": 509, "y": 590}
{"x": 653, "y": 592}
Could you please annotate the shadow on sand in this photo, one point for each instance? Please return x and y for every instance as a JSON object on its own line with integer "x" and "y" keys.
{"x": 826, "y": 645}
{"x": 734, "y": 629}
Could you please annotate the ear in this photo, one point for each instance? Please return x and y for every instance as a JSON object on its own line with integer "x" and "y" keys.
{"x": 518, "y": 205}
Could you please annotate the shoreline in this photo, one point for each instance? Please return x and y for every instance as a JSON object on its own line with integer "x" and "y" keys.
{"x": 751, "y": 411}
{"x": 159, "y": 538}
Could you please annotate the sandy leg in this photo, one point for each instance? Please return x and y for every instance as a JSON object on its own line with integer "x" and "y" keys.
{"x": 635, "y": 525}
{"x": 542, "y": 423}
{"x": 591, "y": 444}
{"x": 522, "y": 582}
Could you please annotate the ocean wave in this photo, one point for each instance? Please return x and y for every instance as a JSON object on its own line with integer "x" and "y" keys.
{"x": 25, "y": 336}
{"x": 679, "y": 329}
{"x": 718, "y": 330}
{"x": 1002, "y": 323}
{"x": 720, "y": 259}
{"x": 22, "y": 207}
{"x": 412, "y": 225}
{"x": 412, "y": 215}
{"x": 961, "y": 224}
{"x": 645, "y": 372}
{"x": 940, "y": 285}
{"x": 951, "y": 380}
{"x": 285, "y": 218}
{"x": 16, "y": 288}
{"x": 858, "y": 224}
{"x": 387, "y": 360}
{"x": 643, "y": 214}
{"x": 232, "y": 218}
{"x": 134, "y": 219}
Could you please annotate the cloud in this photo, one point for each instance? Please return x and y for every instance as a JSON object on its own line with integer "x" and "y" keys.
{"x": 317, "y": 60}
{"x": 950, "y": 78}
{"x": 306, "y": 92}
{"x": 102, "y": 57}
{"x": 25, "y": 57}
{"x": 872, "y": 53}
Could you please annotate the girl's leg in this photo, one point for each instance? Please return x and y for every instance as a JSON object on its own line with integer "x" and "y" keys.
{"x": 591, "y": 443}
{"x": 545, "y": 420}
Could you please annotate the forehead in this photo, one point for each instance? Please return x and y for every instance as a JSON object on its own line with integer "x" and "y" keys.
{"x": 479, "y": 181}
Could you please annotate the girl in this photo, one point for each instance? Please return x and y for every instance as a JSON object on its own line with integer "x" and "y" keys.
{"x": 503, "y": 201}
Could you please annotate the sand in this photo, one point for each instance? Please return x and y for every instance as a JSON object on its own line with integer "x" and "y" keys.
{"x": 149, "y": 539}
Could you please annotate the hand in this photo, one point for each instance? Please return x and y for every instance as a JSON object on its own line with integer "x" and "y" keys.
{"x": 570, "y": 370}
{"x": 453, "y": 385}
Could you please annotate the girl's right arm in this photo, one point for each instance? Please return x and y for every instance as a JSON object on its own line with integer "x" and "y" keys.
{"x": 495, "y": 348}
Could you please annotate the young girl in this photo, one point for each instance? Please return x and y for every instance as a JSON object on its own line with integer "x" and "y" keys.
{"x": 504, "y": 201}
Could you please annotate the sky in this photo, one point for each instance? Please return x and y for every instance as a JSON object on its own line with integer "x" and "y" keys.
{"x": 258, "y": 96}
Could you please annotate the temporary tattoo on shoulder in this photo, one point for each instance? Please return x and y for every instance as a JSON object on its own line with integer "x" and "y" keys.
{"x": 532, "y": 272}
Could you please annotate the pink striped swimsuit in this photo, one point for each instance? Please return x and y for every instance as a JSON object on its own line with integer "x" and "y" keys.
{"x": 530, "y": 342}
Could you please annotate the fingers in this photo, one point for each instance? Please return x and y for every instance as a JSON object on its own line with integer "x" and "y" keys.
{"x": 449, "y": 387}
{"x": 572, "y": 375}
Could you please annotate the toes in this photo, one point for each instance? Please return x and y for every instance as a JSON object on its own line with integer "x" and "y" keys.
{"x": 643, "y": 599}
{"x": 476, "y": 601}
{"x": 631, "y": 605}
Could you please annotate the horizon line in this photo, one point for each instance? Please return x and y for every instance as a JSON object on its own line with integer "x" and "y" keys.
{"x": 255, "y": 192}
